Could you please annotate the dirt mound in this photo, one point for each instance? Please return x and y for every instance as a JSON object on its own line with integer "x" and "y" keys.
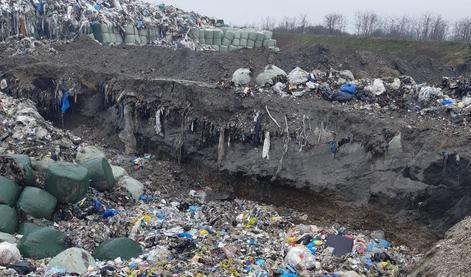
{"x": 450, "y": 256}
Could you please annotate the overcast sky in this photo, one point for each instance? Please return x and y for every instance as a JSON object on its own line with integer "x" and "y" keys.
{"x": 242, "y": 12}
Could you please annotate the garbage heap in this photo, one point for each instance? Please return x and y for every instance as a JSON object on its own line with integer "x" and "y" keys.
{"x": 68, "y": 208}
{"x": 113, "y": 22}
{"x": 452, "y": 95}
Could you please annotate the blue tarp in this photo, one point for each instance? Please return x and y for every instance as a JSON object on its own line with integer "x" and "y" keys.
{"x": 65, "y": 105}
{"x": 349, "y": 88}
{"x": 40, "y": 7}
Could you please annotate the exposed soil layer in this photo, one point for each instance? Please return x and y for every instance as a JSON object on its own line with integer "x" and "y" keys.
{"x": 408, "y": 193}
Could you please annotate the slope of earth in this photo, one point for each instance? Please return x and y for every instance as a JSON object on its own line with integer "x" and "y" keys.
{"x": 376, "y": 57}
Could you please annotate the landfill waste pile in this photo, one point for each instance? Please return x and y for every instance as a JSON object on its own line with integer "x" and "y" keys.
{"x": 67, "y": 209}
{"x": 452, "y": 95}
{"x": 131, "y": 22}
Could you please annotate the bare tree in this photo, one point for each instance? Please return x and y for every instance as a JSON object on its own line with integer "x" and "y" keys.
{"x": 303, "y": 22}
{"x": 366, "y": 23}
{"x": 335, "y": 22}
{"x": 432, "y": 27}
{"x": 268, "y": 23}
{"x": 462, "y": 30}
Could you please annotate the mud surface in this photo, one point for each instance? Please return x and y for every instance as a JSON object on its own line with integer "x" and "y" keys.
{"x": 408, "y": 193}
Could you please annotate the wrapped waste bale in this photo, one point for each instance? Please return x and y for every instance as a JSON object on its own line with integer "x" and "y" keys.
{"x": 243, "y": 42}
{"x": 236, "y": 42}
{"x": 267, "y": 35}
{"x": 208, "y": 36}
{"x": 250, "y": 43}
{"x": 217, "y": 37}
{"x": 24, "y": 164}
{"x": 100, "y": 174}
{"x": 298, "y": 76}
{"x": 9, "y": 191}
{"x": 29, "y": 227}
{"x": 269, "y": 43}
{"x": 223, "y": 49}
{"x": 43, "y": 243}
{"x": 258, "y": 43}
{"x": 226, "y": 42}
{"x": 37, "y": 202}
{"x": 252, "y": 36}
{"x": 244, "y": 34}
{"x": 67, "y": 182}
{"x": 132, "y": 186}
{"x": 9, "y": 253}
{"x": 269, "y": 74}
{"x": 8, "y": 219}
{"x": 86, "y": 153}
{"x": 123, "y": 248}
{"x": 201, "y": 36}
{"x": 242, "y": 77}
{"x": 73, "y": 260}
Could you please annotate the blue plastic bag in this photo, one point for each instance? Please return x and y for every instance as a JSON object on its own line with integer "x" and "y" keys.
{"x": 65, "y": 105}
{"x": 349, "y": 88}
{"x": 448, "y": 102}
{"x": 41, "y": 7}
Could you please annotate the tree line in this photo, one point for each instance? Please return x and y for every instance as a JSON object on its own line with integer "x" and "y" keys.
{"x": 369, "y": 24}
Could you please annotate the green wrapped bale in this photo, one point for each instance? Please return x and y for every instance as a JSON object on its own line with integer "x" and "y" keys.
{"x": 37, "y": 202}
{"x": 230, "y": 35}
{"x": 236, "y": 42}
{"x": 24, "y": 163}
{"x": 258, "y": 43}
{"x": 123, "y": 248}
{"x": 8, "y": 219}
{"x": 28, "y": 227}
{"x": 143, "y": 32}
{"x": 232, "y": 47}
{"x": 86, "y": 153}
{"x": 244, "y": 34}
{"x": 118, "y": 38}
{"x": 43, "y": 243}
{"x": 253, "y": 36}
{"x": 267, "y": 35}
{"x": 208, "y": 34}
{"x": 143, "y": 40}
{"x": 269, "y": 43}
{"x": 260, "y": 36}
{"x": 108, "y": 38}
{"x": 226, "y": 42}
{"x": 9, "y": 192}
{"x": 223, "y": 49}
{"x": 67, "y": 182}
{"x": 100, "y": 173}
{"x": 130, "y": 39}
{"x": 251, "y": 43}
{"x": 105, "y": 28}
{"x": 130, "y": 29}
{"x": 243, "y": 42}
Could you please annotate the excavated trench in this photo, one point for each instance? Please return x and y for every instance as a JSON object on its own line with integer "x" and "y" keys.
{"x": 217, "y": 136}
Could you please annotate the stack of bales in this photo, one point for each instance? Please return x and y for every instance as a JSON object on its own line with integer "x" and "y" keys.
{"x": 110, "y": 34}
{"x": 106, "y": 33}
{"x": 228, "y": 39}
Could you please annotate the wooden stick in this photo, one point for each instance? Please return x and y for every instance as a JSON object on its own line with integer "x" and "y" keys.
{"x": 274, "y": 120}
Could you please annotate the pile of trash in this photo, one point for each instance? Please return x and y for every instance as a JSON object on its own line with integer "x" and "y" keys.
{"x": 131, "y": 22}
{"x": 24, "y": 131}
{"x": 70, "y": 210}
{"x": 453, "y": 95}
